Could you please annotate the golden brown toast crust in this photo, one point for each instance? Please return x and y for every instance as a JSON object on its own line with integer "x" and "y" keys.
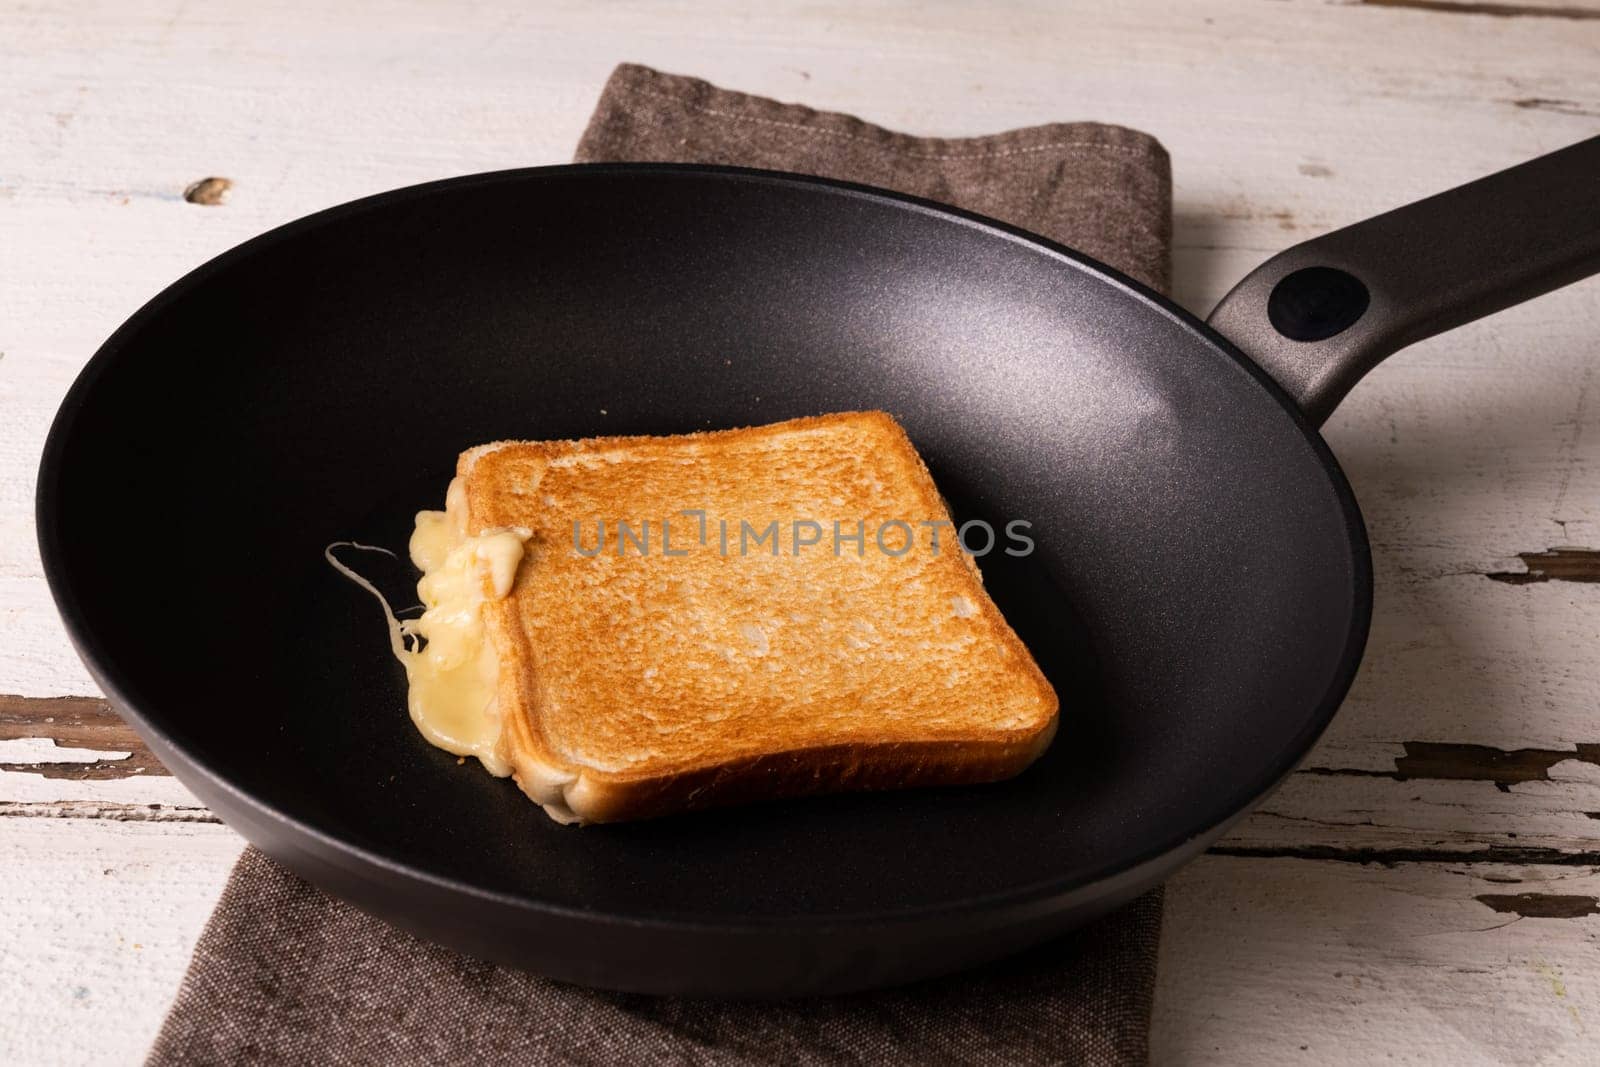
{"x": 633, "y": 686}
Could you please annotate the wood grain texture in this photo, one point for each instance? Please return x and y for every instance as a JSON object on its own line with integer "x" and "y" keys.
{"x": 1468, "y": 738}
{"x": 1555, "y": 565}
{"x": 1303, "y": 962}
{"x": 1263, "y": 961}
{"x": 74, "y": 727}
{"x": 98, "y": 922}
{"x": 1422, "y": 798}
{"x": 1493, "y": 10}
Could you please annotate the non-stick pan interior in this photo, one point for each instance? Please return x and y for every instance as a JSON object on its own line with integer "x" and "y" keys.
{"x": 1197, "y": 594}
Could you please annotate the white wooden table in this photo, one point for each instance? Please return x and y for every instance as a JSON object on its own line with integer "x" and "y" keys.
{"x": 1424, "y": 890}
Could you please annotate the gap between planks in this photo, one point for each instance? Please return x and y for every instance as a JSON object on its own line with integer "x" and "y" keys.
{"x": 96, "y": 745}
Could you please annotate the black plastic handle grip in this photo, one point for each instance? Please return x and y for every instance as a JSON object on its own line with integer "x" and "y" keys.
{"x": 1322, "y": 314}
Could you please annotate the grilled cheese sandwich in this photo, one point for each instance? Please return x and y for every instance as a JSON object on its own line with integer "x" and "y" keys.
{"x": 667, "y": 666}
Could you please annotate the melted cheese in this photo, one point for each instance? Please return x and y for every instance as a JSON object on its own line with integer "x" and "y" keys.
{"x": 450, "y": 664}
{"x": 454, "y": 675}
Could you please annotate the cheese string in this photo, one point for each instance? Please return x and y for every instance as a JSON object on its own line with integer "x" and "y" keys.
{"x": 398, "y": 633}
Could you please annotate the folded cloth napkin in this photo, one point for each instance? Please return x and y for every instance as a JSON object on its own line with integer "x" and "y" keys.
{"x": 1104, "y": 190}
{"x": 284, "y": 973}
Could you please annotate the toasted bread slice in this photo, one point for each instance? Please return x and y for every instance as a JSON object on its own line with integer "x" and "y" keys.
{"x": 686, "y": 668}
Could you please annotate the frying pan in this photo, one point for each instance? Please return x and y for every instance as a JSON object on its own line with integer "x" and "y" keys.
{"x": 1199, "y": 595}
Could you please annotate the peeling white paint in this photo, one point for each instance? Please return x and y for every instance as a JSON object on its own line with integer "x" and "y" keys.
{"x": 43, "y": 750}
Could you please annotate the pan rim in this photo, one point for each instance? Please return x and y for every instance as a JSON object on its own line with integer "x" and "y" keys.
{"x": 95, "y": 653}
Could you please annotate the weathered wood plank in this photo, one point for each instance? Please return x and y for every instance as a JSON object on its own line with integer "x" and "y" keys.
{"x": 1551, "y": 9}
{"x": 1264, "y": 961}
{"x": 1555, "y": 565}
{"x": 97, "y": 926}
{"x": 1415, "y": 799}
{"x": 1296, "y": 961}
{"x": 76, "y": 724}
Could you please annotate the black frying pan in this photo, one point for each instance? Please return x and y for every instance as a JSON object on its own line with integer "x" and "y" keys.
{"x": 1199, "y": 596}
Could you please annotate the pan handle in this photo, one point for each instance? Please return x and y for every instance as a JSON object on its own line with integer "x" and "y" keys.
{"x": 1322, "y": 314}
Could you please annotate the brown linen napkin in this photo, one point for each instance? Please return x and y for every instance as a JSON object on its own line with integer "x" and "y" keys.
{"x": 1104, "y": 190}
{"x": 286, "y": 974}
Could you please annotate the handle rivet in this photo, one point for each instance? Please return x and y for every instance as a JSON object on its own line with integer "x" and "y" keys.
{"x": 1315, "y": 303}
